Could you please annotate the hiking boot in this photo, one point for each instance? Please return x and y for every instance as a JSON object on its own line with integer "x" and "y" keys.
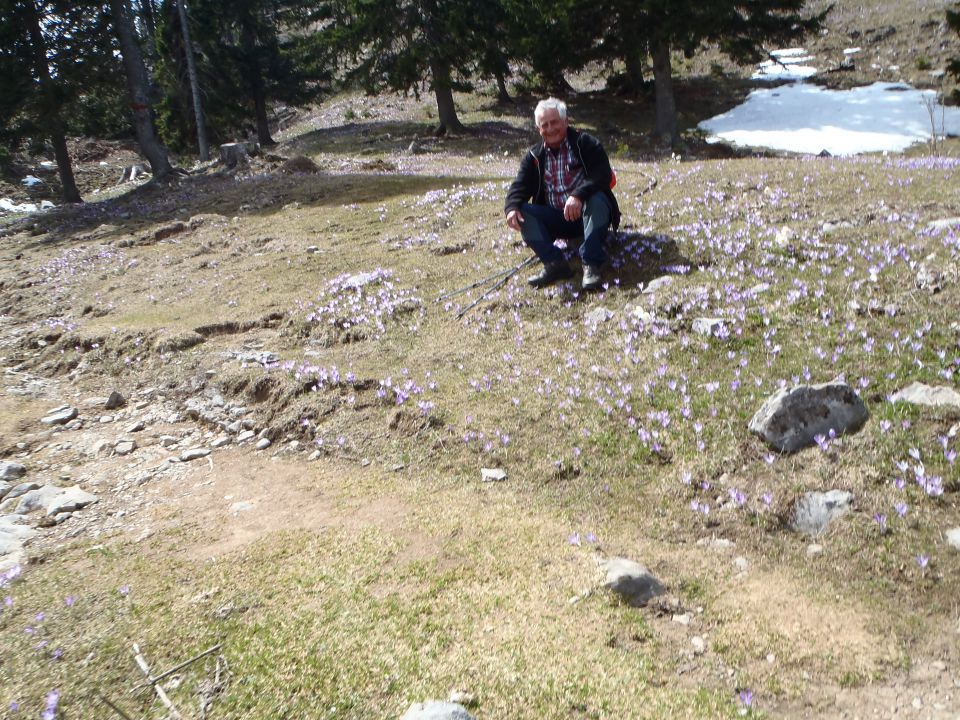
{"x": 551, "y": 273}
{"x": 591, "y": 277}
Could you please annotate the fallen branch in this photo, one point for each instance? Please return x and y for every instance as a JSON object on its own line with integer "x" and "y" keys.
{"x": 161, "y": 693}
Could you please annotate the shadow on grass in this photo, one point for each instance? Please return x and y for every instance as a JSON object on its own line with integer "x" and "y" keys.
{"x": 636, "y": 260}
{"x": 389, "y": 137}
{"x": 136, "y": 214}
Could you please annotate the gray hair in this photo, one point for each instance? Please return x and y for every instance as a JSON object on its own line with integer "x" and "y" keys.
{"x": 550, "y": 103}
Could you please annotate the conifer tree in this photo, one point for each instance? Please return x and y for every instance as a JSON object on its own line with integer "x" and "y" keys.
{"x": 52, "y": 52}
{"x": 953, "y": 20}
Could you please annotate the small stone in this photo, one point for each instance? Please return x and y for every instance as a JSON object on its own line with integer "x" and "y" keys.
{"x": 315, "y": 455}
{"x": 60, "y": 416}
{"x": 221, "y": 441}
{"x": 194, "y": 454}
{"x": 953, "y": 538}
{"x": 632, "y": 581}
{"x": 105, "y": 419}
{"x": 917, "y": 704}
{"x": 813, "y": 512}
{"x": 741, "y": 563}
{"x": 492, "y": 474}
{"x": 263, "y": 444}
{"x": 242, "y": 506}
{"x": 125, "y": 447}
{"x": 598, "y": 315}
{"x": 246, "y": 435}
{"x": 116, "y": 400}
{"x": 234, "y": 428}
{"x": 136, "y": 427}
{"x": 11, "y": 471}
{"x": 436, "y": 710}
{"x": 168, "y": 440}
{"x": 699, "y": 645}
{"x": 681, "y": 619}
{"x": 814, "y": 549}
{"x": 657, "y": 284}
{"x": 708, "y": 326}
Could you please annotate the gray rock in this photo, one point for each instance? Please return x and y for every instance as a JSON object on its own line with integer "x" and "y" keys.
{"x": 791, "y": 418}
{"x": 246, "y": 435}
{"x": 194, "y": 454}
{"x": 116, "y": 400}
{"x": 234, "y": 428}
{"x": 598, "y": 315}
{"x": 263, "y": 444}
{"x": 640, "y": 314}
{"x": 60, "y": 416}
{"x": 11, "y": 471}
{"x": 54, "y": 500}
{"x": 657, "y": 284}
{"x": 221, "y": 441}
{"x": 944, "y": 224}
{"x": 360, "y": 279}
{"x": 259, "y": 357}
{"x": 953, "y": 538}
{"x": 436, "y": 710}
{"x": 20, "y": 490}
{"x": 707, "y": 326}
{"x": 929, "y": 279}
{"x": 632, "y": 581}
{"x": 137, "y": 426}
{"x": 492, "y": 474}
{"x": 125, "y": 447}
{"x": 4, "y": 488}
{"x": 168, "y": 440}
{"x": 919, "y": 394}
{"x": 813, "y": 512}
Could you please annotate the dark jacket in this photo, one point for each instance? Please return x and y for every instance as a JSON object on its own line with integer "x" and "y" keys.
{"x": 598, "y": 175}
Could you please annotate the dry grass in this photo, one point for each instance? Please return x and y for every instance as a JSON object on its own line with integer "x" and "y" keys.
{"x": 386, "y": 573}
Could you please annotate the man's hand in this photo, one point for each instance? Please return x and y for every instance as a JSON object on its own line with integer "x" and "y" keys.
{"x": 514, "y": 220}
{"x": 572, "y": 208}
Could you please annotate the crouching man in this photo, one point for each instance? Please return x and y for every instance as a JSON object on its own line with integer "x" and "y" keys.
{"x": 563, "y": 190}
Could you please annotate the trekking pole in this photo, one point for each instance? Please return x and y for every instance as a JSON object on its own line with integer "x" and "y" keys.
{"x": 497, "y": 285}
{"x": 508, "y": 272}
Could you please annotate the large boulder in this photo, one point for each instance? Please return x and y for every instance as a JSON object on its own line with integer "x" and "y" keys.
{"x": 791, "y": 418}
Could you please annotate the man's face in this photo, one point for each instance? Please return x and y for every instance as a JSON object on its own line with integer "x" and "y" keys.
{"x": 552, "y": 127}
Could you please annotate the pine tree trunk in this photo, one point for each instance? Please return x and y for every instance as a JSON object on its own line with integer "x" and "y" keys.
{"x": 255, "y": 78}
{"x": 633, "y": 60}
{"x": 70, "y": 192}
{"x": 138, "y": 87}
{"x": 446, "y": 110}
{"x": 51, "y": 122}
{"x": 263, "y": 124}
{"x": 503, "y": 95}
{"x": 666, "y": 109}
{"x": 202, "y": 145}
